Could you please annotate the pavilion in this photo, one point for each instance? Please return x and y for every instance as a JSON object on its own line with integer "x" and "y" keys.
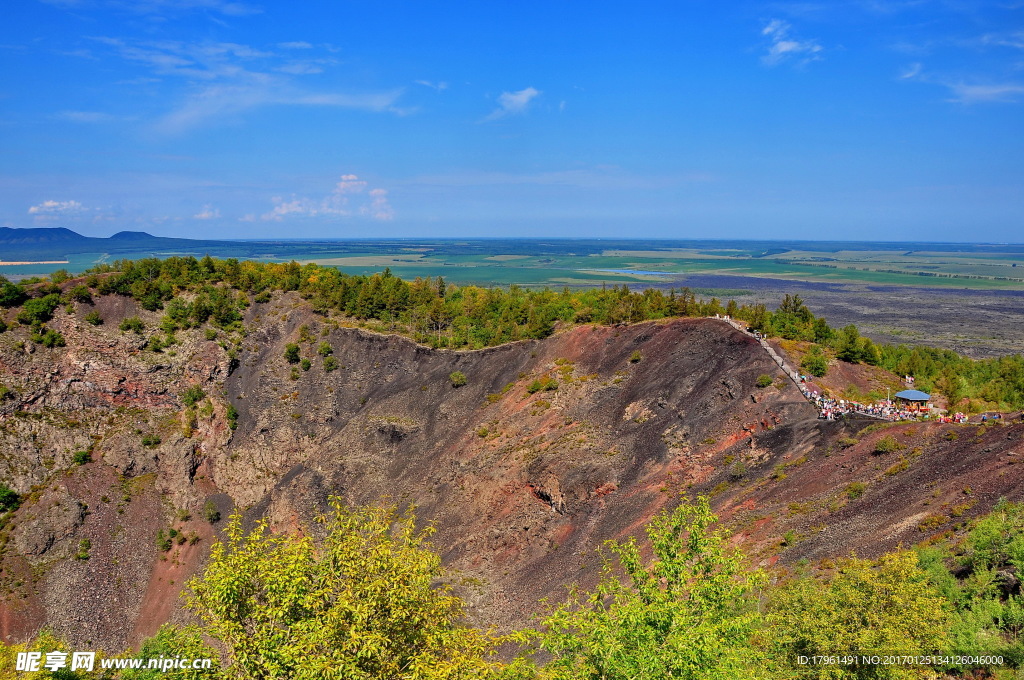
{"x": 914, "y": 399}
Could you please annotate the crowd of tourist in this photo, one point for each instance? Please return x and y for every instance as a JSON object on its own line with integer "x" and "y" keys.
{"x": 831, "y": 409}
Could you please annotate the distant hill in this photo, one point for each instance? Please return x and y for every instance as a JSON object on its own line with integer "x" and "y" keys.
{"x": 55, "y": 243}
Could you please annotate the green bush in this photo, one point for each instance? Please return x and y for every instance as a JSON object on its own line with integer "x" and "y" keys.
{"x": 81, "y": 457}
{"x": 764, "y": 380}
{"x": 636, "y": 357}
{"x": 80, "y": 293}
{"x": 210, "y": 512}
{"x": 306, "y": 364}
{"x": 10, "y": 294}
{"x": 457, "y": 378}
{"x": 9, "y": 499}
{"x": 47, "y": 337}
{"x": 543, "y": 384}
{"x": 232, "y": 415}
{"x": 163, "y": 541}
{"x": 93, "y": 318}
{"x": 887, "y": 444}
{"x": 150, "y": 441}
{"x": 39, "y": 310}
{"x": 291, "y": 353}
{"x": 325, "y": 350}
{"x": 83, "y": 549}
{"x": 133, "y": 324}
{"x": 330, "y": 364}
{"x": 815, "y": 362}
{"x": 192, "y": 395}
{"x": 855, "y": 490}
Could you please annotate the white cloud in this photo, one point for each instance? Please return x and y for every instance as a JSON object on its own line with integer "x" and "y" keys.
{"x": 56, "y": 208}
{"x": 224, "y": 79}
{"x": 912, "y": 71}
{"x": 349, "y": 198}
{"x": 439, "y": 86}
{"x": 86, "y": 116}
{"x": 207, "y": 213}
{"x": 512, "y": 103}
{"x": 973, "y": 94}
{"x": 230, "y": 8}
{"x": 783, "y": 46}
{"x": 297, "y": 45}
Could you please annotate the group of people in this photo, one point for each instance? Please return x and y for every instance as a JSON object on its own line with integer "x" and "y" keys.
{"x": 830, "y": 409}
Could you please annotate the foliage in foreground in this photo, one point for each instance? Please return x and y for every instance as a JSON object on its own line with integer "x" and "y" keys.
{"x": 363, "y": 606}
{"x": 365, "y": 603}
{"x": 690, "y": 613}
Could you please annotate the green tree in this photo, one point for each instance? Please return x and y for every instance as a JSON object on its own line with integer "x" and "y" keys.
{"x": 867, "y": 608}
{"x": 362, "y": 606}
{"x": 815, "y": 362}
{"x": 687, "y": 614}
{"x": 291, "y": 353}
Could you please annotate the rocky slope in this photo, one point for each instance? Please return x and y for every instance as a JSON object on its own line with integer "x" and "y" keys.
{"x": 522, "y": 484}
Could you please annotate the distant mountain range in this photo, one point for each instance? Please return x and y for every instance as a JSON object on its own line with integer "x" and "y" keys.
{"x": 57, "y": 242}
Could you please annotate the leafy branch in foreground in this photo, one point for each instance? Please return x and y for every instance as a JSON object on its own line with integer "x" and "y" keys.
{"x": 690, "y": 614}
{"x": 363, "y": 606}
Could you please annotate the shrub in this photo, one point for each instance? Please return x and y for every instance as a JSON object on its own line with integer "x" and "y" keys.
{"x": 192, "y": 396}
{"x": 855, "y": 490}
{"x": 163, "y": 541}
{"x": 232, "y": 415}
{"x": 306, "y": 364}
{"x": 291, "y": 353}
{"x": 93, "y": 318}
{"x": 815, "y": 363}
{"x": 9, "y": 499}
{"x": 764, "y": 380}
{"x": 210, "y": 512}
{"x": 83, "y": 549}
{"x": 3, "y": 326}
{"x": 210, "y": 334}
{"x": 133, "y": 324}
{"x": 81, "y": 457}
{"x": 543, "y": 384}
{"x": 80, "y": 293}
{"x": 847, "y": 442}
{"x": 887, "y": 444}
{"x": 325, "y": 350}
{"x": 10, "y": 294}
{"x": 47, "y": 337}
{"x": 330, "y": 364}
{"x": 150, "y": 441}
{"x": 457, "y": 378}
{"x": 636, "y": 357}
{"x": 39, "y": 310}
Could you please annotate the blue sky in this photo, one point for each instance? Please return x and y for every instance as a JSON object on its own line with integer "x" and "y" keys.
{"x": 845, "y": 119}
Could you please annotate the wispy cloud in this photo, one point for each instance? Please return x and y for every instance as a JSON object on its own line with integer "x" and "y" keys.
{"x": 439, "y": 86}
{"x": 783, "y": 46}
{"x": 56, "y": 208}
{"x": 207, "y": 213}
{"x": 297, "y": 45}
{"x": 87, "y": 116}
{"x": 351, "y": 197}
{"x": 911, "y": 71}
{"x": 975, "y": 91}
{"x": 513, "y": 103}
{"x": 965, "y": 93}
{"x": 230, "y": 8}
{"x": 223, "y": 79}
